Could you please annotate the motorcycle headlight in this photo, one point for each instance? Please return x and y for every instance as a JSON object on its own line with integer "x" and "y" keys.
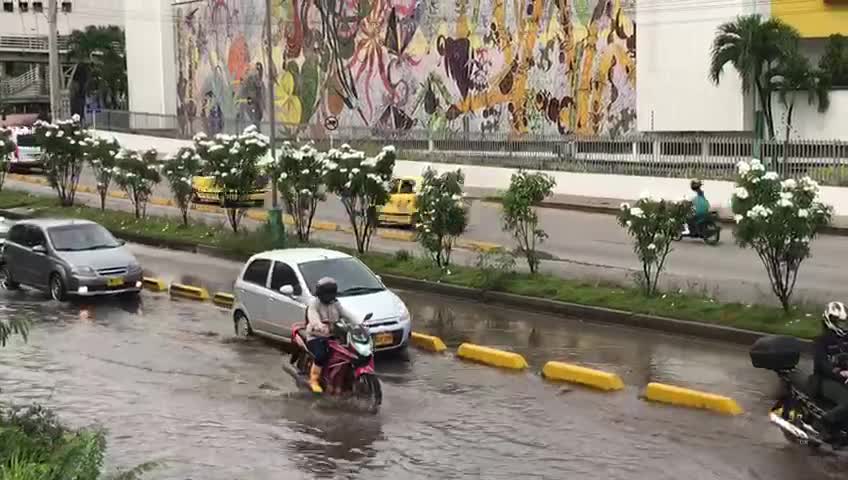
{"x": 363, "y": 349}
{"x": 84, "y": 271}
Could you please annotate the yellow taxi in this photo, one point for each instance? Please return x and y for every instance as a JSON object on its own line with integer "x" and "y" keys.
{"x": 401, "y": 208}
{"x": 206, "y": 190}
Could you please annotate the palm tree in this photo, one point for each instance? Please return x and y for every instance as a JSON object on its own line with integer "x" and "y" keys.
{"x": 100, "y": 53}
{"x": 795, "y": 74}
{"x": 752, "y": 44}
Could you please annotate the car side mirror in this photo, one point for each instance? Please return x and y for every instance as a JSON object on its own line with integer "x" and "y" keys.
{"x": 287, "y": 290}
{"x": 122, "y": 242}
{"x": 39, "y": 249}
{"x": 368, "y": 317}
{"x": 379, "y": 278}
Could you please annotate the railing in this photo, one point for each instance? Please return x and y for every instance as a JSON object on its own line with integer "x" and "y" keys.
{"x": 31, "y": 43}
{"x": 702, "y": 156}
{"x": 31, "y": 80}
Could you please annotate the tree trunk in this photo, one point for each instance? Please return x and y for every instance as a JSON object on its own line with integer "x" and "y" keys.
{"x": 788, "y": 129}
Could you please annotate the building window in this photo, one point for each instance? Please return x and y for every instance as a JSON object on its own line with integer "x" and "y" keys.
{"x": 23, "y": 7}
{"x": 8, "y": 7}
{"x": 66, "y": 7}
{"x": 37, "y": 7}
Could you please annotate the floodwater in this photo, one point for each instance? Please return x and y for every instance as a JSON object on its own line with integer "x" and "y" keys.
{"x": 170, "y": 384}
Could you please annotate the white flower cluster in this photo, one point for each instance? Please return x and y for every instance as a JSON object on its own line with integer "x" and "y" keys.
{"x": 759, "y": 211}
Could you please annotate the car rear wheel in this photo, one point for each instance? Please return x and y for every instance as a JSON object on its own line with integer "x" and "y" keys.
{"x": 6, "y": 279}
{"x": 242, "y": 325}
{"x": 57, "y": 288}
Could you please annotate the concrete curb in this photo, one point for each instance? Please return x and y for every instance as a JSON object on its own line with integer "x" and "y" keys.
{"x": 584, "y": 312}
{"x": 491, "y": 356}
{"x": 189, "y": 292}
{"x": 224, "y": 300}
{"x": 684, "y": 397}
{"x": 428, "y": 342}
{"x": 567, "y": 372}
{"x": 155, "y": 284}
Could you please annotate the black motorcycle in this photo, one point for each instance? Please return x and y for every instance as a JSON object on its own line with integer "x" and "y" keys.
{"x": 709, "y": 230}
{"x": 799, "y": 410}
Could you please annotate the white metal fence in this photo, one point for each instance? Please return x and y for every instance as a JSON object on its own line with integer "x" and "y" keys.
{"x": 703, "y": 156}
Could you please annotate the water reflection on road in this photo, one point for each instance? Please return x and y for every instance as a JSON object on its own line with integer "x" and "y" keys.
{"x": 170, "y": 384}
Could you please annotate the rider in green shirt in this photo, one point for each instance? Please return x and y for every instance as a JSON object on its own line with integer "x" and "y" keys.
{"x": 702, "y": 206}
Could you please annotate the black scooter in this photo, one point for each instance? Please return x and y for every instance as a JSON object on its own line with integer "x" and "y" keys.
{"x": 799, "y": 410}
{"x": 709, "y": 230}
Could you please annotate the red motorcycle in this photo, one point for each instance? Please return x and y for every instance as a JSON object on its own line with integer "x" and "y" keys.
{"x": 350, "y": 368}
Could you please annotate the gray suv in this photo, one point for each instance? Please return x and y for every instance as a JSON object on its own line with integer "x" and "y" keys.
{"x": 68, "y": 257}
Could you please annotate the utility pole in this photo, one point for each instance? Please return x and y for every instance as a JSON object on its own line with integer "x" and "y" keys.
{"x": 275, "y": 215}
{"x": 53, "y": 65}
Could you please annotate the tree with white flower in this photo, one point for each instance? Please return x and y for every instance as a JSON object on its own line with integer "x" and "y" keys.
{"x": 526, "y": 191}
{"x": 777, "y": 219}
{"x": 102, "y": 156}
{"x": 7, "y": 149}
{"x": 653, "y": 223}
{"x": 442, "y": 214}
{"x": 362, "y": 185}
{"x": 234, "y": 161}
{"x": 299, "y": 173}
{"x": 179, "y": 170}
{"x": 63, "y": 146}
{"x": 137, "y": 173}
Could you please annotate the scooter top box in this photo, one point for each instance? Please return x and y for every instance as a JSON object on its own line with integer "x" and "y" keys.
{"x": 776, "y": 352}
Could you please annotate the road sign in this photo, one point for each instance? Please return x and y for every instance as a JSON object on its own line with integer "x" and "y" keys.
{"x": 331, "y": 123}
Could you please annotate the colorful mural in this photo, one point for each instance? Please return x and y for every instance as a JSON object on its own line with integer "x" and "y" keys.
{"x": 518, "y": 66}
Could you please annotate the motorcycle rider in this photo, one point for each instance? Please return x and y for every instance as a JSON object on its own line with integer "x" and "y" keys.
{"x": 322, "y": 312}
{"x": 702, "y": 207}
{"x": 830, "y": 366}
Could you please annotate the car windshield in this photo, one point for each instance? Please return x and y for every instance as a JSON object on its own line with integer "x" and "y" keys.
{"x": 88, "y": 236}
{"x": 350, "y": 274}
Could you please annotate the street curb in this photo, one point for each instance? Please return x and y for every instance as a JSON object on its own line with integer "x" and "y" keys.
{"x": 566, "y": 372}
{"x": 223, "y": 299}
{"x": 491, "y": 356}
{"x": 155, "y": 284}
{"x": 684, "y": 397}
{"x": 189, "y": 292}
{"x": 428, "y": 342}
{"x": 585, "y": 312}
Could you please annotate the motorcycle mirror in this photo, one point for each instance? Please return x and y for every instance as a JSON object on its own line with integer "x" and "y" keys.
{"x": 287, "y": 290}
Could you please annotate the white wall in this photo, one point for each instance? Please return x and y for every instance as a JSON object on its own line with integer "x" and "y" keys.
{"x": 808, "y": 123}
{"x": 151, "y": 61}
{"x": 493, "y": 179}
{"x": 674, "y": 92}
{"x": 83, "y": 13}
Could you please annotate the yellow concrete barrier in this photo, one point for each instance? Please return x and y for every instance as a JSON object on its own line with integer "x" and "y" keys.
{"x": 481, "y": 246}
{"x": 86, "y": 189}
{"x": 258, "y": 215}
{"x": 223, "y": 299}
{"x": 396, "y": 235}
{"x": 155, "y": 284}
{"x": 116, "y": 194}
{"x": 491, "y": 356}
{"x": 328, "y": 226}
{"x": 427, "y": 342}
{"x": 207, "y": 208}
{"x": 567, "y": 372}
{"x": 189, "y": 292}
{"x": 684, "y": 397}
{"x": 165, "y": 202}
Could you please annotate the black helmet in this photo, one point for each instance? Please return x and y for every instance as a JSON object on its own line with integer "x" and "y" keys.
{"x": 326, "y": 290}
{"x": 695, "y": 185}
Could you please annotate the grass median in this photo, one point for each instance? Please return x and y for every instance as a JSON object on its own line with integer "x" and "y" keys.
{"x": 800, "y": 322}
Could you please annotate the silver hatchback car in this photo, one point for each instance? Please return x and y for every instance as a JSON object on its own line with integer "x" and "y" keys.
{"x": 68, "y": 257}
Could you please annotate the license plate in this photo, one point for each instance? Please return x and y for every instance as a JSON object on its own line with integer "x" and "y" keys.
{"x": 115, "y": 282}
{"x": 383, "y": 339}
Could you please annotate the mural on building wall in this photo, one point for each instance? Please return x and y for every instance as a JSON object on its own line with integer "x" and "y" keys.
{"x": 540, "y": 66}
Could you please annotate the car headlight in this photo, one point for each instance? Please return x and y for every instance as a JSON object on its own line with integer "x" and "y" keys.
{"x": 84, "y": 271}
{"x": 405, "y": 317}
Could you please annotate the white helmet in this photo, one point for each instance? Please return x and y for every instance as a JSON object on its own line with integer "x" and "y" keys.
{"x": 836, "y": 318}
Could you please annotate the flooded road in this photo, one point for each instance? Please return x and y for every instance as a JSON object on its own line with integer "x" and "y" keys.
{"x": 171, "y": 384}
